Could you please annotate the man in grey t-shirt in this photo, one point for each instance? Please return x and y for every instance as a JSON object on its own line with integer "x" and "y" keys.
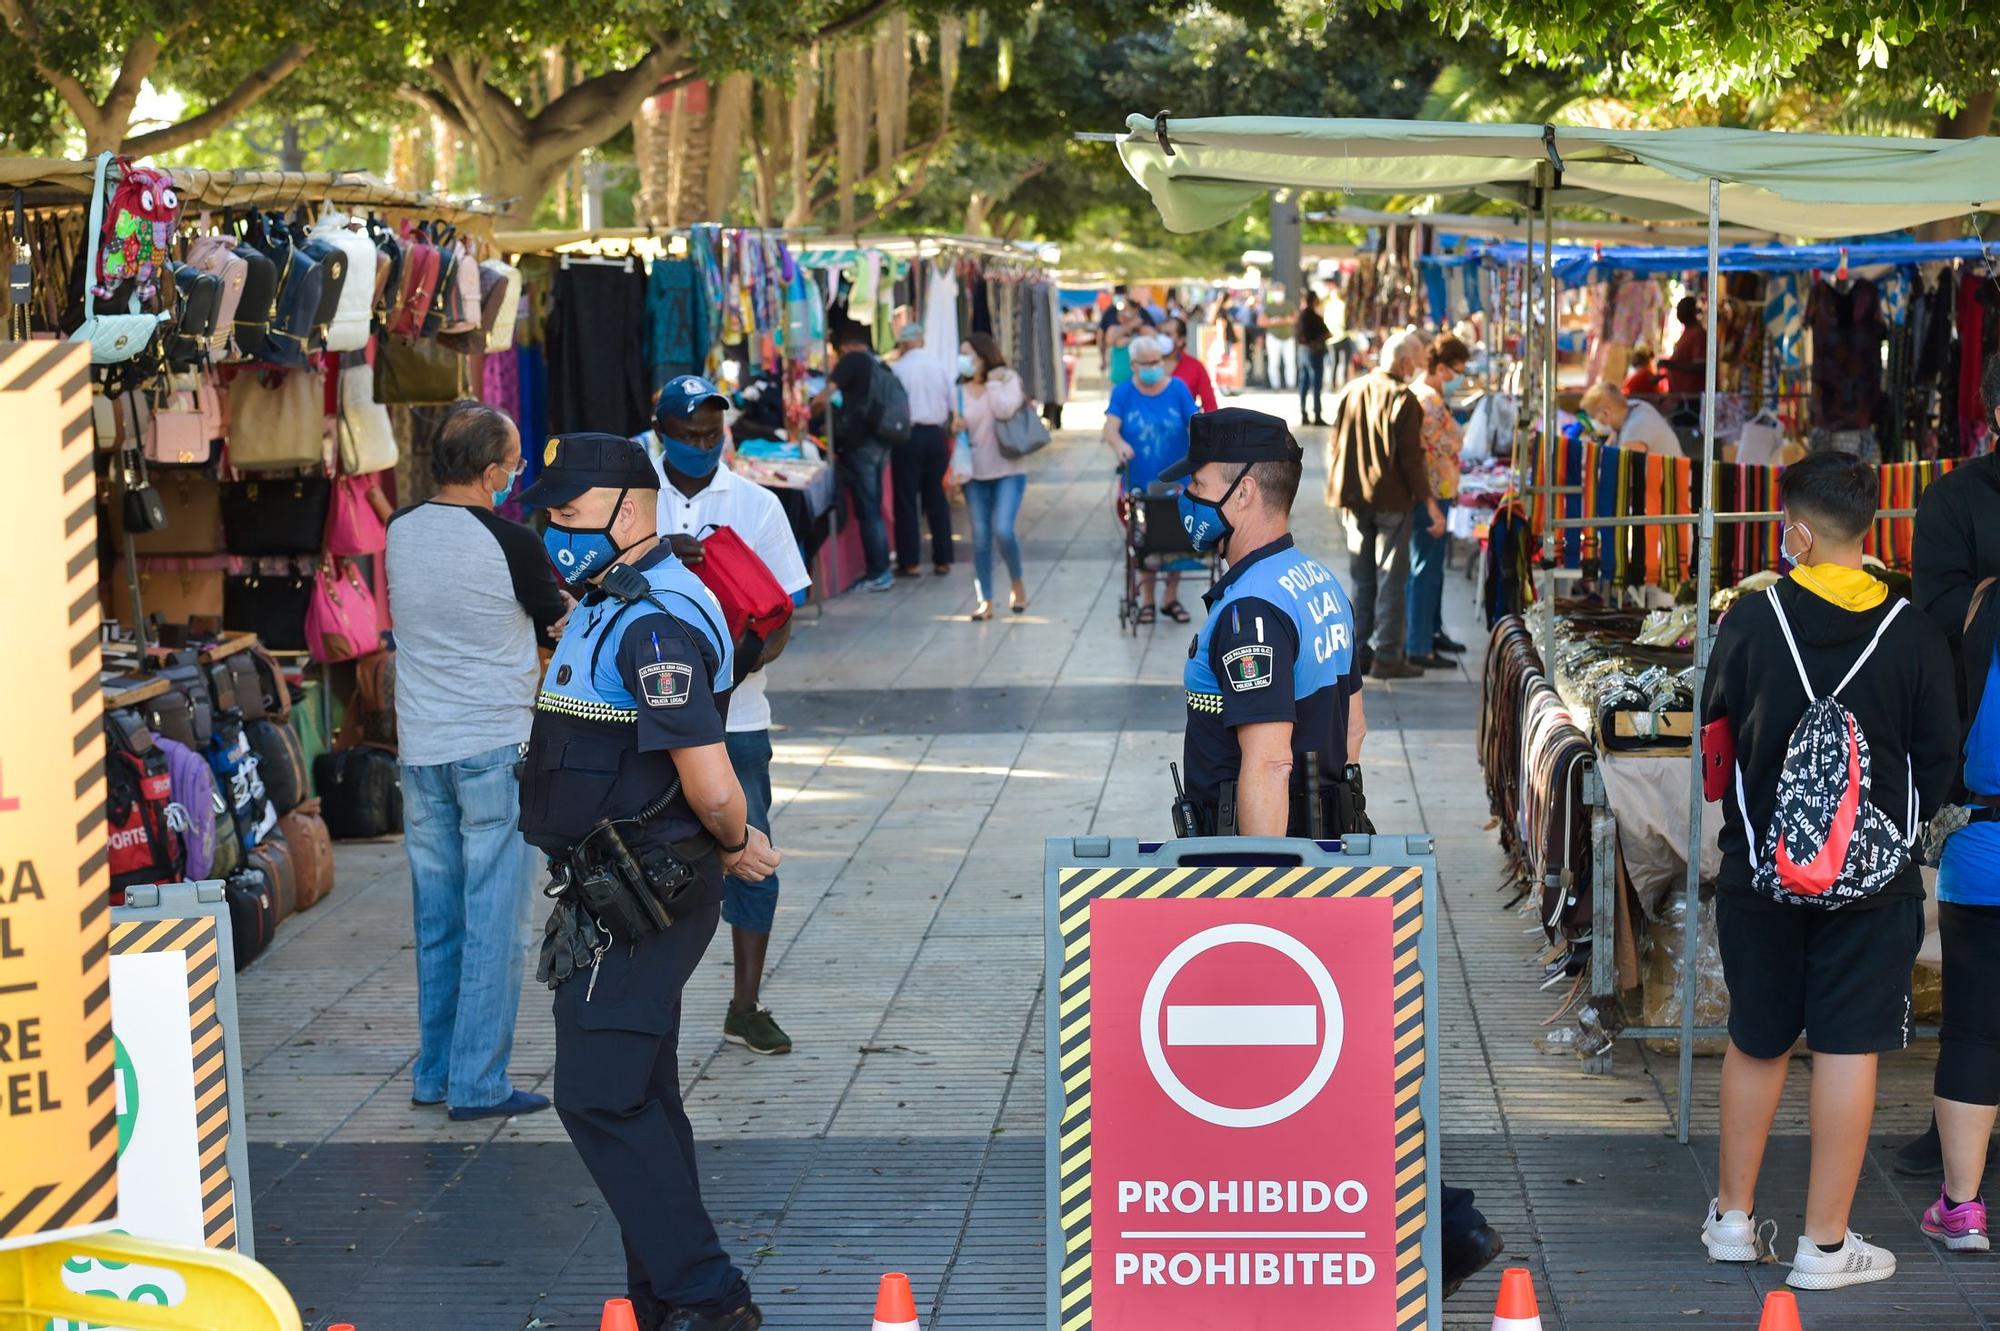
{"x": 471, "y": 595}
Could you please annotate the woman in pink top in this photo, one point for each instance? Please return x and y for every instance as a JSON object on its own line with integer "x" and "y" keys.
{"x": 991, "y": 393}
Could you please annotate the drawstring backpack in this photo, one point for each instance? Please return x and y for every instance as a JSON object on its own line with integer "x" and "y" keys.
{"x": 1829, "y": 845}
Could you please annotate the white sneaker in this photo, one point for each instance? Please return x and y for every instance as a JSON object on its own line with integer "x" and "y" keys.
{"x": 1857, "y": 1263}
{"x": 1731, "y": 1236}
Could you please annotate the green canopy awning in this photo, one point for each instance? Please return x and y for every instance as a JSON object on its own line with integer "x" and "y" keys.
{"x": 1798, "y": 184}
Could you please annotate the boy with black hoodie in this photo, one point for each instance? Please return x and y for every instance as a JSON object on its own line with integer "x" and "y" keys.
{"x": 1840, "y": 976}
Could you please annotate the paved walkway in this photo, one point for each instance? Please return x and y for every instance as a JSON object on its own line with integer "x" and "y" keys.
{"x": 921, "y": 763}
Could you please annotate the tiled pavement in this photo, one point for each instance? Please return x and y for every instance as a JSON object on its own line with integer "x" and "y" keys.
{"x": 922, "y": 762}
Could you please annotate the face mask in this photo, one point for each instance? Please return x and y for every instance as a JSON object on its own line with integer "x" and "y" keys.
{"x": 967, "y": 367}
{"x": 689, "y": 460}
{"x": 500, "y": 495}
{"x": 1453, "y": 384}
{"x": 580, "y": 553}
{"x": 1785, "y": 555}
{"x": 1151, "y": 374}
{"x": 1203, "y": 520}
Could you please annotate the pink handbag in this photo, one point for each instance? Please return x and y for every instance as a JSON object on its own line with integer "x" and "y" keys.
{"x": 341, "y": 619}
{"x": 187, "y": 419}
{"x": 352, "y": 525}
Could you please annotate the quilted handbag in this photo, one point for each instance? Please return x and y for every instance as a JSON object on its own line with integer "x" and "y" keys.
{"x": 277, "y": 419}
{"x": 278, "y": 516}
{"x": 353, "y": 527}
{"x": 367, "y": 439}
{"x": 341, "y": 620}
{"x": 417, "y": 373}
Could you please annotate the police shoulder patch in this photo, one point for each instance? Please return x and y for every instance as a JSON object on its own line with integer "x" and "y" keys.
{"x": 1248, "y": 667}
{"x": 666, "y": 683}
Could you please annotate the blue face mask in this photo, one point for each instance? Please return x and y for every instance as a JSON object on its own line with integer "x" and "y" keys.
{"x": 1151, "y": 374}
{"x": 1453, "y": 384}
{"x": 500, "y": 495}
{"x": 967, "y": 367}
{"x": 581, "y": 553}
{"x": 689, "y": 460}
{"x": 1203, "y": 520}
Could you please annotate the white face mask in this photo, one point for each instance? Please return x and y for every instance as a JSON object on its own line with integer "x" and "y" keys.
{"x": 1785, "y": 542}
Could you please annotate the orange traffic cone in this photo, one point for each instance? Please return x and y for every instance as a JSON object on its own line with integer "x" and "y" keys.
{"x": 895, "y": 1306}
{"x": 1781, "y": 1312}
{"x": 1516, "y": 1309}
{"x": 618, "y": 1316}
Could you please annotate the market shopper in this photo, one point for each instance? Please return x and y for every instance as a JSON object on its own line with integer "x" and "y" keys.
{"x": 1311, "y": 334}
{"x": 1954, "y": 552}
{"x": 858, "y": 454}
{"x": 1686, "y": 369}
{"x": 1186, "y": 367}
{"x": 1840, "y": 975}
{"x": 1129, "y": 326}
{"x": 917, "y": 468}
{"x": 472, "y": 597}
{"x": 1377, "y": 474}
{"x": 1631, "y": 424}
{"x": 698, "y": 494}
{"x": 1146, "y": 428}
{"x": 1424, "y": 637}
{"x": 1641, "y": 377}
{"x": 1274, "y": 689}
{"x": 990, "y": 392}
{"x": 629, "y": 727}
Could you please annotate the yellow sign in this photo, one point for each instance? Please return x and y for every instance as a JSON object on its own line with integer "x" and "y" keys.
{"x": 58, "y": 1119}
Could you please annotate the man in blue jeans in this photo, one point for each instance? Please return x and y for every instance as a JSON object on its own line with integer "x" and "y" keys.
{"x": 471, "y": 594}
{"x": 698, "y": 493}
{"x": 858, "y": 456}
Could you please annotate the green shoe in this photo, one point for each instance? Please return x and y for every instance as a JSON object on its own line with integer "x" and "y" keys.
{"x": 755, "y": 1030}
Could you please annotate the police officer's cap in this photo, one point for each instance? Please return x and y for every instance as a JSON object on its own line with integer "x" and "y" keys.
{"x": 1233, "y": 436}
{"x": 574, "y": 463}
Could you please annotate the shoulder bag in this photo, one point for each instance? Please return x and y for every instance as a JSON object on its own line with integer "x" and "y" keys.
{"x": 418, "y": 372}
{"x": 277, "y": 419}
{"x": 367, "y": 438}
{"x": 341, "y": 620}
{"x": 1022, "y": 433}
{"x": 352, "y": 525}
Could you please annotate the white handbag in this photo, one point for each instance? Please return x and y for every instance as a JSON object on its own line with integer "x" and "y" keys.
{"x": 349, "y": 329}
{"x": 501, "y": 336}
{"x": 367, "y": 440}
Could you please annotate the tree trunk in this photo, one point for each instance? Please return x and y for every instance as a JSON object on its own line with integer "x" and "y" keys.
{"x": 725, "y": 145}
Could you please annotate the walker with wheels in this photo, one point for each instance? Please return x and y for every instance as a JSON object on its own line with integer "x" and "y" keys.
{"x": 1155, "y": 541}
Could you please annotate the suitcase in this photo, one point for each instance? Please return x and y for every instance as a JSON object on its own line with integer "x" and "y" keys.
{"x": 252, "y": 913}
{"x": 312, "y": 853}
{"x": 281, "y": 762}
{"x": 360, "y": 791}
{"x": 274, "y": 857}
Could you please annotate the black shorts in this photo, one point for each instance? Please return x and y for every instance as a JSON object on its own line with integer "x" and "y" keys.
{"x": 1842, "y": 977}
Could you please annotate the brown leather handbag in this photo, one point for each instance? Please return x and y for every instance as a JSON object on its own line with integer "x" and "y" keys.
{"x": 312, "y": 853}
{"x": 422, "y": 372}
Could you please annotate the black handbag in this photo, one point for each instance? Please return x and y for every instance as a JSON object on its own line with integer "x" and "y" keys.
{"x": 197, "y": 303}
{"x": 144, "y": 510}
{"x": 275, "y": 517}
{"x": 360, "y": 792}
{"x": 273, "y": 608}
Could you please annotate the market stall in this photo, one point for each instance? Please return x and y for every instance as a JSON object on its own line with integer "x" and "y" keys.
{"x": 1201, "y": 172}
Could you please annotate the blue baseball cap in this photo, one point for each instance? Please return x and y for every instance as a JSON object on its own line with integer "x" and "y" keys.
{"x": 684, "y": 395}
{"x": 574, "y": 463}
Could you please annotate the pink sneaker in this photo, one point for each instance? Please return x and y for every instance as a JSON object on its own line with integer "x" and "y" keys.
{"x": 1959, "y": 1228}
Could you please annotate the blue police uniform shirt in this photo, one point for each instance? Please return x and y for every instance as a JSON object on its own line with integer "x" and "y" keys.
{"x": 629, "y": 683}
{"x": 1278, "y": 645}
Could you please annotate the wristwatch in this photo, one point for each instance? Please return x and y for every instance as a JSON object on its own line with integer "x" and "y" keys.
{"x": 736, "y": 849}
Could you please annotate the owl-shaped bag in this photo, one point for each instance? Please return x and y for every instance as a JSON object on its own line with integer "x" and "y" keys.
{"x": 138, "y": 228}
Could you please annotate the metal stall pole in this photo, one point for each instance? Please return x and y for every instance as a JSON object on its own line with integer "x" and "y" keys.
{"x": 1550, "y": 542}
{"x": 1703, "y": 641}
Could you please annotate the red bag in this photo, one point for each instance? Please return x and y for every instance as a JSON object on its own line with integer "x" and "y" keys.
{"x": 144, "y": 845}
{"x": 341, "y": 619}
{"x": 352, "y": 525}
{"x": 754, "y": 606}
{"x": 420, "y": 279}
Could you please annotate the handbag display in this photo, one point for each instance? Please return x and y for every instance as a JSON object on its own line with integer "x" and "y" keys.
{"x": 341, "y": 619}
{"x": 113, "y": 338}
{"x": 367, "y": 438}
{"x": 417, "y": 373}
{"x": 282, "y": 516}
{"x": 352, "y": 525}
{"x": 1022, "y": 433}
{"x": 273, "y": 608}
{"x": 277, "y": 419}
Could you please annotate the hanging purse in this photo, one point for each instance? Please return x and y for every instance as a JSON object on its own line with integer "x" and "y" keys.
{"x": 143, "y": 511}
{"x": 367, "y": 438}
{"x": 277, "y": 419}
{"x": 352, "y": 525}
{"x": 341, "y": 620}
{"x": 114, "y": 338}
{"x": 180, "y": 434}
{"x": 275, "y": 515}
{"x": 416, "y": 373}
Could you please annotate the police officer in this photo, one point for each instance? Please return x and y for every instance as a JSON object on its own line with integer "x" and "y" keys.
{"x": 629, "y": 790}
{"x": 1274, "y": 706}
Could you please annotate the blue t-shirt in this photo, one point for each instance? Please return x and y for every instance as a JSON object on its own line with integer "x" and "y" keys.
{"x": 1969, "y": 874}
{"x": 1156, "y": 427}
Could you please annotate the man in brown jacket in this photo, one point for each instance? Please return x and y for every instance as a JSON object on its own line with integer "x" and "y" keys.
{"x": 1375, "y": 471}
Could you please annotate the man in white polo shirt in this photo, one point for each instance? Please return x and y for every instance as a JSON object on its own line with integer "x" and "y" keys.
{"x": 697, "y": 495}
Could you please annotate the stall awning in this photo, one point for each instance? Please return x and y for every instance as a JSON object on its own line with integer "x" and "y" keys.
{"x": 1211, "y": 168}
{"x": 1578, "y": 264}
{"x": 1511, "y": 226}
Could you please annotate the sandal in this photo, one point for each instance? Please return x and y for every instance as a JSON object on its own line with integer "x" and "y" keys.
{"x": 1175, "y": 611}
{"x": 1147, "y": 614}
